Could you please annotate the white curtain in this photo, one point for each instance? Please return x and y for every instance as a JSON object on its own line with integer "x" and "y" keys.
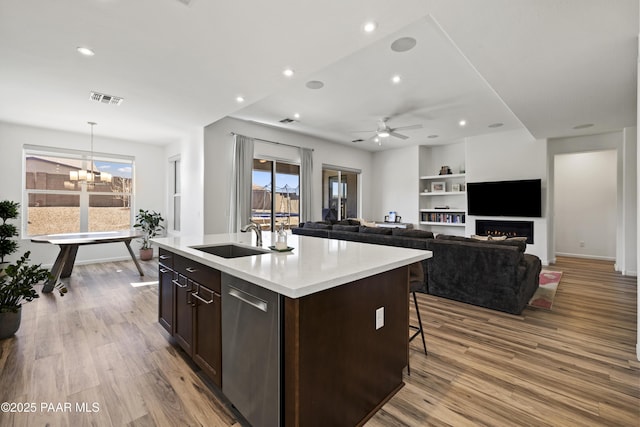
{"x": 240, "y": 209}
{"x": 306, "y": 184}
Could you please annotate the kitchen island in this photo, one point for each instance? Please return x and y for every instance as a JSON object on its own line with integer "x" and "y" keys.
{"x": 314, "y": 336}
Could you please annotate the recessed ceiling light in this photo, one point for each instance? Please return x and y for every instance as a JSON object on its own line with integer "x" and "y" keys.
{"x": 496, "y": 125}
{"x": 296, "y": 115}
{"x": 314, "y": 84}
{"x": 239, "y": 99}
{"x": 462, "y": 123}
{"x": 584, "y": 126}
{"x": 396, "y": 79}
{"x": 403, "y": 44}
{"x": 288, "y": 72}
{"x": 85, "y": 51}
{"x": 369, "y": 27}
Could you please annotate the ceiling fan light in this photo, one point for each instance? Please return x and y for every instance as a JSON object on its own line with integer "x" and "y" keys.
{"x": 383, "y": 134}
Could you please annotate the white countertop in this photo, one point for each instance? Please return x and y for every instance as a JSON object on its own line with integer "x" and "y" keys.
{"x": 315, "y": 264}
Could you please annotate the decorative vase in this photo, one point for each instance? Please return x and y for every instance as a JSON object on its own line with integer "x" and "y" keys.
{"x": 146, "y": 254}
{"x": 9, "y": 323}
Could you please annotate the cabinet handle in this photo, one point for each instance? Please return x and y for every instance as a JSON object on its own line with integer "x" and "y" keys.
{"x": 177, "y": 282}
{"x": 202, "y": 299}
{"x": 191, "y": 269}
{"x": 164, "y": 270}
{"x": 165, "y": 257}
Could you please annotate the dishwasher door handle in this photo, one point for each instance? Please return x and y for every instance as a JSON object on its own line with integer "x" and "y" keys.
{"x": 248, "y": 298}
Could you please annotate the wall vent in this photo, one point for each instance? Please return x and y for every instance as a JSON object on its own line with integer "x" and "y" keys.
{"x": 286, "y": 121}
{"x": 105, "y": 99}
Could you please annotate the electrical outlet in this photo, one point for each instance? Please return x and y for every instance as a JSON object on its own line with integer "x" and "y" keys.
{"x": 582, "y": 243}
{"x": 379, "y": 318}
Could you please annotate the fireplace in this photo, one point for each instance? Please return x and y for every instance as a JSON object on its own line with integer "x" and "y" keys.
{"x": 505, "y": 228}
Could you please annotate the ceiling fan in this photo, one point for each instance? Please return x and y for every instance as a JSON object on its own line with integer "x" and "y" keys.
{"x": 384, "y": 131}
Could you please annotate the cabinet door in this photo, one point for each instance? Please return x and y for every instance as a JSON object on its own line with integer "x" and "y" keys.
{"x": 207, "y": 349}
{"x": 183, "y": 325}
{"x": 166, "y": 301}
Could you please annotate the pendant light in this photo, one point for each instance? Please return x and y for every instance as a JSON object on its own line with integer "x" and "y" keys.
{"x": 89, "y": 175}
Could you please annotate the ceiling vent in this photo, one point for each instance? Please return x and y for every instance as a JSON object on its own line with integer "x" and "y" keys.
{"x": 105, "y": 99}
{"x": 286, "y": 121}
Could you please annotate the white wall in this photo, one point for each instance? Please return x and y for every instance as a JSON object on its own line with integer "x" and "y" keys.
{"x": 395, "y": 183}
{"x": 218, "y": 156}
{"x": 149, "y": 180}
{"x": 510, "y": 155}
{"x": 585, "y": 200}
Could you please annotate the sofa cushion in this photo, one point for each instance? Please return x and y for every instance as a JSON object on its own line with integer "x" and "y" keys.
{"x": 418, "y": 234}
{"x": 340, "y": 227}
{"x": 375, "y": 230}
{"x": 317, "y": 225}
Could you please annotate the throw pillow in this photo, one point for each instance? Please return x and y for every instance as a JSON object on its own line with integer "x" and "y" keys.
{"x": 485, "y": 238}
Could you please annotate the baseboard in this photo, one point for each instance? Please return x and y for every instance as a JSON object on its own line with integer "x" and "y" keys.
{"x": 93, "y": 261}
{"x": 602, "y": 258}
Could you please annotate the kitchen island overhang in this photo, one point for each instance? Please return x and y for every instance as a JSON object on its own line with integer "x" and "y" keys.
{"x": 344, "y": 320}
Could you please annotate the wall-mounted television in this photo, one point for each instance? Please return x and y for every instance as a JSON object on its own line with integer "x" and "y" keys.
{"x": 521, "y": 198}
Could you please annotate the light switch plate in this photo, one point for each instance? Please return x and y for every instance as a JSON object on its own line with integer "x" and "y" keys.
{"x": 379, "y": 318}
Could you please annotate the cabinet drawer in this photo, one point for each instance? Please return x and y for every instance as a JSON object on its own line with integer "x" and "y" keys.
{"x": 197, "y": 272}
{"x": 165, "y": 257}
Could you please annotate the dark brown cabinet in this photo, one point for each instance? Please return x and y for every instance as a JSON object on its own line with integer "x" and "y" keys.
{"x": 190, "y": 309}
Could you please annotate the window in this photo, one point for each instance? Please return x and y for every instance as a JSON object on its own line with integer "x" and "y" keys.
{"x": 279, "y": 203}
{"x": 55, "y": 203}
{"x": 174, "y": 193}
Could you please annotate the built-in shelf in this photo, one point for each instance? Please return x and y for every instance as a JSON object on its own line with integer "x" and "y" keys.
{"x": 443, "y": 187}
{"x": 443, "y": 193}
{"x": 456, "y": 210}
{"x": 451, "y": 175}
{"x": 445, "y": 224}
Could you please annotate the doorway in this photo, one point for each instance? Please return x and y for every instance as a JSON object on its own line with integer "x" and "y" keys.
{"x": 585, "y": 204}
{"x": 339, "y": 193}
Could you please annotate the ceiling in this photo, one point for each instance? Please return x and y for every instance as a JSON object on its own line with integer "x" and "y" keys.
{"x": 547, "y": 66}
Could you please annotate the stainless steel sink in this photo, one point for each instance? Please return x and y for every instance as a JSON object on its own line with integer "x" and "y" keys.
{"x": 230, "y": 250}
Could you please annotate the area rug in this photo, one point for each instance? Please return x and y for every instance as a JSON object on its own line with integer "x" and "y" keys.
{"x": 543, "y": 298}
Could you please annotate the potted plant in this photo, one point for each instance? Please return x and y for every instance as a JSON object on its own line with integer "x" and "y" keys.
{"x": 17, "y": 286}
{"x": 18, "y": 280}
{"x": 8, "y": 210}
{"x": 149, "y": 224}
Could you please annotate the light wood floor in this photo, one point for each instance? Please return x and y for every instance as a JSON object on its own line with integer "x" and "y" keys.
{"x": 574, "y": 365}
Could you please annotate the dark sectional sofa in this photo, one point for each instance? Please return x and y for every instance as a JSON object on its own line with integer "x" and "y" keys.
{"x": 496, "y": 274}
{"x": 352, "y": 230}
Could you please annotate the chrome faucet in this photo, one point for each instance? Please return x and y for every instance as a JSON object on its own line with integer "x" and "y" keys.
{"x": 256, "y": 228}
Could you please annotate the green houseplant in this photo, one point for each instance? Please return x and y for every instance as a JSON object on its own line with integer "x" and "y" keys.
{"x": 150, "y": 224}
{"x": 8, "y": 210}
{"x": 17, "y": 280}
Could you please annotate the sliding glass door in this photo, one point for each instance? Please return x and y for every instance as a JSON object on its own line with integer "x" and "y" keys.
{"x": 339, "y": 193}
{"x": 275, "y": 197}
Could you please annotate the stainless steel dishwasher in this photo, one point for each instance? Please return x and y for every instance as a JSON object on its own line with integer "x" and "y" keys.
{"x": 251, "y": 337}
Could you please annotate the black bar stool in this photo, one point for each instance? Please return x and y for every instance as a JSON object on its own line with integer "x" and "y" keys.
{"x": 416, "y": 282}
